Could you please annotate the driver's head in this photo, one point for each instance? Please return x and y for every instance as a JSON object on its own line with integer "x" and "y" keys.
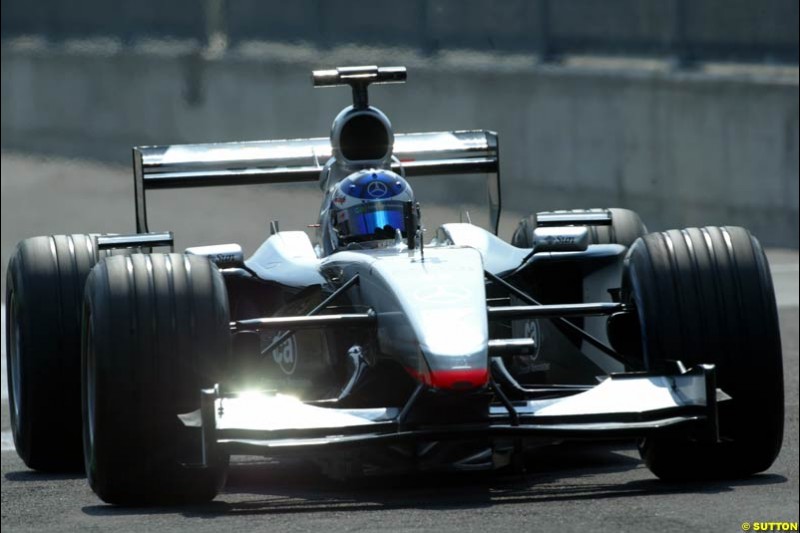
{"x": 367, "y": 207}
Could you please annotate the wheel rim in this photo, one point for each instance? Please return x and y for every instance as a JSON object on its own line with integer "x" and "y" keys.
{"x": 14, "y": 362}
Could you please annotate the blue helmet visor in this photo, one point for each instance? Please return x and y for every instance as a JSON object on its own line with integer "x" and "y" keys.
{"x": 370, "y": 221}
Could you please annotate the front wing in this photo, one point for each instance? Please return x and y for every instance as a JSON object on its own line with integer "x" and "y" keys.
{"x": 629, "y": 405}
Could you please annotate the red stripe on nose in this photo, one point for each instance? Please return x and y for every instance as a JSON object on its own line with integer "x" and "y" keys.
{"x": 471, "y": 378}
{"x": 463, "y": 379}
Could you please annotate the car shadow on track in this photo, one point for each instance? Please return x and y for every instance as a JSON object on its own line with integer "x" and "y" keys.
{"x": 562, "y": 474}
{"x": 33, "y": 475}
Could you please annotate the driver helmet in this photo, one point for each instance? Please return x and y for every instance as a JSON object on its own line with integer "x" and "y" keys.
{"x": 367, "y": 207}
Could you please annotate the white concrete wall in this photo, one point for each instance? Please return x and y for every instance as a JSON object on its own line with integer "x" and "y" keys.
{"x": 681, "y": 148}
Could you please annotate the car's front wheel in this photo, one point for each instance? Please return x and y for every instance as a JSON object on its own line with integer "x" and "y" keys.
{"x": 705, "y": 295}
{"x": 155, "y": 332}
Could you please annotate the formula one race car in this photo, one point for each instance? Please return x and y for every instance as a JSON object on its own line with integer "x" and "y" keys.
{"x": 372, "y": 347}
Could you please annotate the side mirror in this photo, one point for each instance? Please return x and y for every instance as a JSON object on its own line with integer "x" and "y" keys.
{"x": 560, "y": 239}
{"x": 222, "y": 255}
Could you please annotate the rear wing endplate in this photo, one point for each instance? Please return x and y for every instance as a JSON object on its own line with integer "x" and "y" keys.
{"x": 298, "y": 160}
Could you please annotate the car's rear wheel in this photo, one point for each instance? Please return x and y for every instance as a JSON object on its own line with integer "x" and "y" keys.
{"x": 44, "y": 295}
{"x": 156, "y": 331}
{"x": 705, "y": 296}
{"x": 626, "y": 226}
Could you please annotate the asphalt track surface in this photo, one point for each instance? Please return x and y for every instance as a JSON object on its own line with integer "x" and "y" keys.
{"x": 567, "y": 488}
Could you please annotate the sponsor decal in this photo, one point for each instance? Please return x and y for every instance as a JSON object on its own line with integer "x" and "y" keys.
{"x": 532, "y": 331}
{"x": 223, "y": 258}
{"x": 559, "y": 239}
{"x": 377, "y": 189}
{"x": 374, "y": 185}
{"x": 285, "y": 355}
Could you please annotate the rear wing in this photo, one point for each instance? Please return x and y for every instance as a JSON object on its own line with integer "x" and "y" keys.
{"x": 299, "y": 160}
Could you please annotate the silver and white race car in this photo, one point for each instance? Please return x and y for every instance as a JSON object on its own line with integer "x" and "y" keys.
{"x": 372, "y": 347}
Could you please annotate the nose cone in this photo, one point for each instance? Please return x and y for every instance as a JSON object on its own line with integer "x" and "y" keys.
{"x": 444, "y": 302}
{"x": 454, "y": 339}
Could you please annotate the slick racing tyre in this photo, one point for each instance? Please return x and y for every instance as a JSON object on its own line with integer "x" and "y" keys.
{"x": 626, "y": 227}
{"x": 44, "y": 297}
{"x": 705, "y": 296}
{"x": 155, "y": 332}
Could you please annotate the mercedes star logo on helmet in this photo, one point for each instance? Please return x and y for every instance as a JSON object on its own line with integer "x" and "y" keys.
{"x": 377, "y": 189}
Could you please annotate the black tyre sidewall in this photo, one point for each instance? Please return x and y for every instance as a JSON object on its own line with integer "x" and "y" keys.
{"x": 706, "y": 296}
{"x": 156, "y": 330}
{"x": 44, "y": 290}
